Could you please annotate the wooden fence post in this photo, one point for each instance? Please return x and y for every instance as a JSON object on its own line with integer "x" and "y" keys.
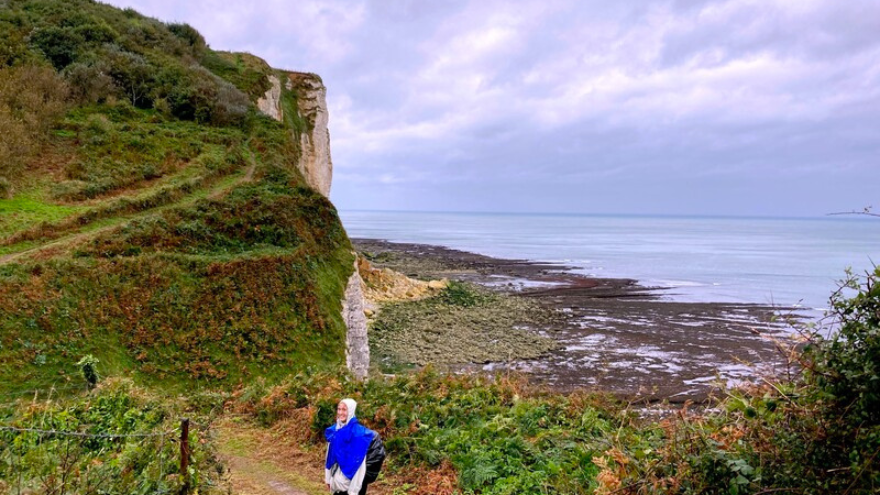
{"x": 184, "y": 454}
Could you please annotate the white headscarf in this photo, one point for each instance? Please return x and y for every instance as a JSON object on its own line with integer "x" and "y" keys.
{"x": 351, "y": 405}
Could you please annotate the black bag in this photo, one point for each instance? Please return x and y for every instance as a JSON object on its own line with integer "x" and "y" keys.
{"x": 375, "y": 458}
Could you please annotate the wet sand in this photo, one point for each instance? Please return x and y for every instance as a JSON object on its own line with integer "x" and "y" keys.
{"x": 615, "y": 335}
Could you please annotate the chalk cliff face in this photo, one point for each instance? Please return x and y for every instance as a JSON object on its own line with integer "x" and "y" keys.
{"x": 317, "y": 168}
{"x": 311, "y": 99}
{"x": 270, "y": 103}
{"x": 315, "y": 162}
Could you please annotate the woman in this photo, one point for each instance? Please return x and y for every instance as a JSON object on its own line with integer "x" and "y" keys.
{"x": 346, "y": 463}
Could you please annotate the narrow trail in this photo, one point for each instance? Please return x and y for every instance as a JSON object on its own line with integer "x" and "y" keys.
{"x": 248, "y": 177}
{"x": 64, "y": 242}
{"x": 265, "y": 462}
{"x": 76, "y": 238}
{"x": 270, "y": 461}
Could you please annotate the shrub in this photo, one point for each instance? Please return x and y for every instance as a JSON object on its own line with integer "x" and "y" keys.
{"x": 91, "y": 82}
{"x": 204, "y": 97}
{"x": 59, "y": 45}
{"x": 461, "y": 294}
{"x": 117, "y": 439}
{"x": 31, "y": 98}
{"x": 88, "y": 365}
{"x": 131, "y": 72}
{"x": 190, "y": 36}
{"x": 13, "y": 49}
{"x": 847, "y": 366}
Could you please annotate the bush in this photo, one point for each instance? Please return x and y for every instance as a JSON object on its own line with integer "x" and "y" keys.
{"x": 59, "y": 45}
{"x": 31, "y": 99}
{"x": 191, "y": 37}
{"x": 116, "y": 440}
{"x": 91, "y": 82}
{"x": 132, "y": 73}
{"x": 204, "y": 97}
{"x": 847, "y": 366}
{"x": 13, "y": 49}
{"x": 461, "y": 294}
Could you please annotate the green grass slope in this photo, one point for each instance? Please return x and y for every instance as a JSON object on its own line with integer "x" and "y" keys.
{"x": 149, "y": 215}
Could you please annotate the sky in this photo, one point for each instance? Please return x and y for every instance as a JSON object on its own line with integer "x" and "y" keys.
{"x": 669, "y": 107}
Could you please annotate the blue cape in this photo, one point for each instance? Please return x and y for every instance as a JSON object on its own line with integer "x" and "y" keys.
{"x": 348, "y": 446}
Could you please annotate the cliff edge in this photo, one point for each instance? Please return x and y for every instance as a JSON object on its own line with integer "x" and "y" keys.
{"x": 309, "y": 121}
{"x": 302, "y": 102}
{"x": 155, "y": 221}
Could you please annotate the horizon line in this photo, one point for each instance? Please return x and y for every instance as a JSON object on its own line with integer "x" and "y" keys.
{"x": 828, "y": 216}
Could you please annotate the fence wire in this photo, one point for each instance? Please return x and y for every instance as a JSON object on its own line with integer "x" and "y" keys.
{"x": 54, "y": 462}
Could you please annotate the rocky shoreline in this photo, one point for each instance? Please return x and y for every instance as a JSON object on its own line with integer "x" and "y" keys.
{"x": 611, "y": 335}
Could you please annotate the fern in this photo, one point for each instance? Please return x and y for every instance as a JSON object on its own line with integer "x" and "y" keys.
{"x": 477, "y": 471}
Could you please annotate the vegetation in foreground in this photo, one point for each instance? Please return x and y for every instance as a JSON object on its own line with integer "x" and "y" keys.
{"x": 816, "y": 434}
{"x": 159, "y": 224}
{"x": 116, "y": 439}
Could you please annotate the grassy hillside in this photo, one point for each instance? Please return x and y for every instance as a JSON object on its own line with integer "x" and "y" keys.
{"x": 152, "y": 220}
{"x": 149, "y": 215}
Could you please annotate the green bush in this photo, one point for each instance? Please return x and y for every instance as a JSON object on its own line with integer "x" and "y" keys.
{"x": 461, "y": 294}
{"x": 13, "y": 48}
{"x": 202, "y": 96}
{"x": 31, "y": 99}
{"x": 131, "y": 73}
{"x": 61, "y": 46}
{"x": 501, "y": 436}
{"x": 190, "y": 36}
{"x": 847, "y": 365}
{"x": 91, "y": 82}
{"x": 92, "y": 461}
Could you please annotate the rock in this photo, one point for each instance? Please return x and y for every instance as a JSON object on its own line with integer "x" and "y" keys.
{"x": 270, "y": 103}
{"x": 357, "y": 345}
{"x": 315, "y": 163}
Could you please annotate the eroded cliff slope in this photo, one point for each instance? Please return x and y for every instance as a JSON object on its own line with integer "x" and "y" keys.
{"x": 154, "y": 218}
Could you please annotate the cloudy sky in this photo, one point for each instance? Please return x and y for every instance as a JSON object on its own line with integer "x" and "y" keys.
{"x": 731, "y": 107}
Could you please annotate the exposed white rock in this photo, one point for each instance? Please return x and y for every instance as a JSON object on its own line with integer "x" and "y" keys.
{"x": 270, "y": 103}
{"x": 315, "y": 162}
{"x": 357, "y": 345}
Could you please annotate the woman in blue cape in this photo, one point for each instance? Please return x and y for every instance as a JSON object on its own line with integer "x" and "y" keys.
{"x": 347, "y": 452}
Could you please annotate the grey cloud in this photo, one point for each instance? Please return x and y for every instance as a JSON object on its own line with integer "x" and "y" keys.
{"x": 817, "y": 31}
{"x": 671, "y": 106}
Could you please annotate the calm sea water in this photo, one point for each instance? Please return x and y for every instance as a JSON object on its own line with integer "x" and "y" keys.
{"x": 750, "y": 260}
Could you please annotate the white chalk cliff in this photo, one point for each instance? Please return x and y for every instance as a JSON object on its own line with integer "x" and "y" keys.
{"x": 270, "y": 103}
{"x": 314, "y": 144}
{"x": 317, "y": 168}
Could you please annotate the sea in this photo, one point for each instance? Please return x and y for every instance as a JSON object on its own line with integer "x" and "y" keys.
{"x": 787, "y": 262}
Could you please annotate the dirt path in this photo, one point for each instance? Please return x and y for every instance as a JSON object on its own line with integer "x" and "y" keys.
{"x": 58, "y": 244}
{"x": 75, "y": 238}
{"x": 264, "y": 462}
{"x": 269, "y": 461}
